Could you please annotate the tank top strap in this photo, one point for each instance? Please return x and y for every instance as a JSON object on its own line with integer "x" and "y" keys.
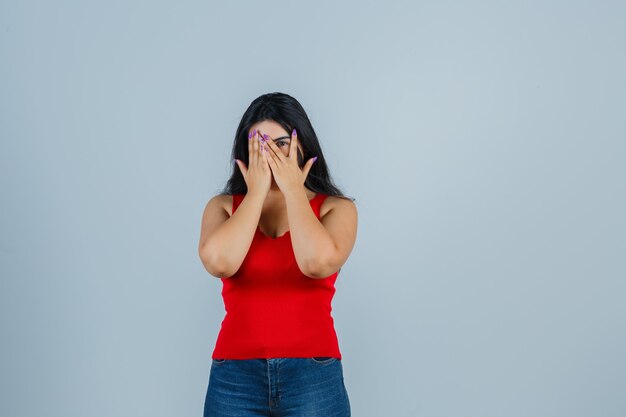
{"x": 236, "y": 200}
{"x": 316, "y": 203}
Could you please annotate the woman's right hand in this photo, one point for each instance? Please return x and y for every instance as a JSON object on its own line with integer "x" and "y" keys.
{"x": 258, "y": 174}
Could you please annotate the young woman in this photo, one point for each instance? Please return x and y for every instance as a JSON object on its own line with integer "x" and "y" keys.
{"x": 277, "y": 237}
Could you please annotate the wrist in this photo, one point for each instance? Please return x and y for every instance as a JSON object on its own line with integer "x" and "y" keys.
{"x": 295, "y": 192}
{"x": 256, "y": 195}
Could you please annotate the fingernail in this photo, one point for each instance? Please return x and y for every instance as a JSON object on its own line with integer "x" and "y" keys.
{"x": 254, "y": 132}
{"x": 293, "y": 132}
{"x": 315, "y": 159}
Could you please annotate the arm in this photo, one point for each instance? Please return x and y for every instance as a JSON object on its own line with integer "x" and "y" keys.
{"x": 321, "y": 246}
{"x": 224, "y": 239}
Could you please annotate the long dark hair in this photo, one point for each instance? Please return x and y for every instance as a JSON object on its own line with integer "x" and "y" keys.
{"x": 289, "y": 113}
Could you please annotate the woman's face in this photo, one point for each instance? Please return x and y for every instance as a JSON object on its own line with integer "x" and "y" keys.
{"x": 276, "y": 133}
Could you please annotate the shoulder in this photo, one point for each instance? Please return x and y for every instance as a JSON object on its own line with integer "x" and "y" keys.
{"x": 221, "y": 202}
{"x": 338, "y": 204}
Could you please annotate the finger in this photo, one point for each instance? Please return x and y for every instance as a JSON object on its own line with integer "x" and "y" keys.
{"x": 263, "y": 151}
{"x": 270, "y": 158}
{"x": 255, "y": 147}
{"x": 265, "y": 155}
{"x": 250, "y": 150}
{"x": 274, "y": 151}
{"x": 250, "y": 147}
{"x": 242, "y": 167}
{"x": 293, "y": 145}
{"x": 307, "y": 166}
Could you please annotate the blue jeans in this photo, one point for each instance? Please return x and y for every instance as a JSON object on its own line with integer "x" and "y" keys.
{"x": 278, "y": 387}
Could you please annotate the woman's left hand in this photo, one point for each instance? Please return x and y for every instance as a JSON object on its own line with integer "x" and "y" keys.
{"x": 287, "y": 173}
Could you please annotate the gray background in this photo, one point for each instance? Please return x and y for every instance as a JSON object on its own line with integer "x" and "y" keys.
{"x": 483, "y": 141}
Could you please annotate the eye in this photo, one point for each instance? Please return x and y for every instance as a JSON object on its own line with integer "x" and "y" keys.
{"x": 281, "y": 142}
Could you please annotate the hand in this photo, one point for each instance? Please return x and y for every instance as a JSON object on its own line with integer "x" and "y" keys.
{"x": 287, "y": 173}
{"x": 257, "y": 174}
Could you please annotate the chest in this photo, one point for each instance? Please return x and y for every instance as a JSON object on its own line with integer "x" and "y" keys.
{"x": 274, "y": 221}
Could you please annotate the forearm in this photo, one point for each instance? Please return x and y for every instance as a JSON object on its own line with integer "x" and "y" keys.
{"x": 312, "y": 245}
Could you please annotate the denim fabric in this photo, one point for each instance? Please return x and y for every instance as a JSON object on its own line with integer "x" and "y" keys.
{"x": 281, "y": 387}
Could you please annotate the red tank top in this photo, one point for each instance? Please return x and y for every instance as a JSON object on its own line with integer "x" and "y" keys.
{"x": 272, "y": 309}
